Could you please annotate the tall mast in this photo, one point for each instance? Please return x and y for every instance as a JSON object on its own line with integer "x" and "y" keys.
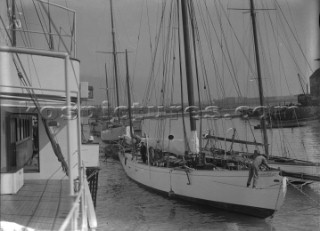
{"x": 194, "y": 141}
{"x": 188, "y": 63}
{"x": 107, "y": 89}
{"x": 129, "y": 96}
{"x": 261, "y": 97}
{"x": 193, "y": 23}
{"x": 114, "y": 57}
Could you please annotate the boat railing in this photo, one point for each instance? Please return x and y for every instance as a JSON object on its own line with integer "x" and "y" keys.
{"x": 83, "y": 196}
{"x": 82, "y": 204}
{"x": 65, "y": 56}
{"x": 53, "y": 27}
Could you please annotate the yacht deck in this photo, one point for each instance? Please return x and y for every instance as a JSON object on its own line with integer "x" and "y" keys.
{"x": 39, "y": 205}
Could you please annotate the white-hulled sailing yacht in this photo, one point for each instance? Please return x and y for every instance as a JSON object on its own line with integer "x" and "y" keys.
{"x": 183, "y": 173}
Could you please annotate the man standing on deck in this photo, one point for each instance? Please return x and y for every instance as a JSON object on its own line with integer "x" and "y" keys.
{"x": 143, "y": 152}
{"x": 258, "y": 161}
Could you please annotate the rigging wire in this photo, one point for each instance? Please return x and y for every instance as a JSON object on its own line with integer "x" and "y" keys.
{"x": 263, "y": 56}
{"x": 26, "y": 40}
{"x": 163, "y": 71}
{"x": 276, "y": 41}
{"x": 238, "y": 41}
{"x": 149, "y": 28}
{"x": 169, "y": 41}
{"x": 214, "y": 61}
{"x": 42, "y": 25}
{"x": 25, "y": 45}
{"x": 230, "y": 68}
{"x": 291, "y": 51}
{"x": 63, "y": 43}
{"x": 150, "y": 81}
{"x": 266, "y": 50}
{"x": 138, "y": 43}
{"x": 225, "y": 53}
{"x": 71, "y": 25}
{"x": 281, "y": 133}
{"x": 293, "y": 34}
{"x": 203, "y": 66}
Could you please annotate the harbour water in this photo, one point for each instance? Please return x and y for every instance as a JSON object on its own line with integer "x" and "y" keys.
{"x": 124, "y": 205}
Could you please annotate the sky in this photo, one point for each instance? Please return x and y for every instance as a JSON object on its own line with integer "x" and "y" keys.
{"x": 136, "y": 23}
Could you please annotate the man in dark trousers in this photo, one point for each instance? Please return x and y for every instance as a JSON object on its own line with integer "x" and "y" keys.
{"x": 258, "y": 161}
{"x": 143, "y": 152}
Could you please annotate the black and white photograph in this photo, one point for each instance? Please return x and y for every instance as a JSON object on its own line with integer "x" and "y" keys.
{"x": 160, "y": 115}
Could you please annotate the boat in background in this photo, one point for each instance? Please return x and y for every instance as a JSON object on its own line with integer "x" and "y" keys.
{"x": 283, "y": 124}
{"x": 112, "y": 133}
{"x": 45, "y": 168}
{"x": 291, "y": 116}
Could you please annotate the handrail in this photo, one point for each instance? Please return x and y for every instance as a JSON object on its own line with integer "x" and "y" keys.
{"x": 92, "y": 219}
{"x": 69, "y": 35}
{"x": 36, "y": 88}
{"x": 73, "y": 210}
{"x": 88, "y": 219}
{"x": 59, "y": 6}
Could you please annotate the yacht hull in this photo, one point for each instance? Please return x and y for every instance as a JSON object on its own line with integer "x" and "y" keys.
{"x": 223, "y": 189}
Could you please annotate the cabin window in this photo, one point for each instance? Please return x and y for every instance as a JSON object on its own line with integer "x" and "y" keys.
{"x": 23, "y": 146}
{"x": 33, "y": 165}
{"x": 20, "y": 127}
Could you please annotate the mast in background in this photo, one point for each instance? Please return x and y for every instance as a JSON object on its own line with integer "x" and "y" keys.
{"x": 114, "y": 52}
{"x": 107, "y": 90}
{"x": 129, "y": 96}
